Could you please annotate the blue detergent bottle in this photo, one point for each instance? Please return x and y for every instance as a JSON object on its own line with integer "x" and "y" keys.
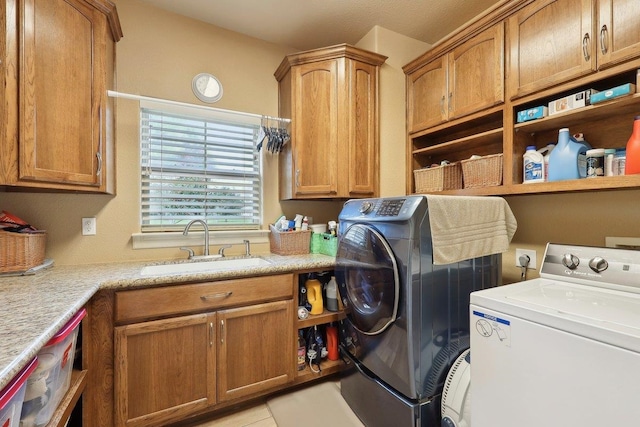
{"x": 565, "y": 159}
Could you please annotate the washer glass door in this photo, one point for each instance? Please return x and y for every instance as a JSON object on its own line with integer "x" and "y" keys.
{"x": 368, "y": 279}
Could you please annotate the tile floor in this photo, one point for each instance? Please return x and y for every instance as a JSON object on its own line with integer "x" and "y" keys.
{"x": 257, "y": 415}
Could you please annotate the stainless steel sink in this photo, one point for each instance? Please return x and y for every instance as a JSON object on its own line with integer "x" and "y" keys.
{"x": 203, "y": 266}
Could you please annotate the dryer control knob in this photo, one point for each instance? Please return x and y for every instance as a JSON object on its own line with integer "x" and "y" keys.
{"x": 598, "y": 264}
{"x": 366, "y": 207}
{"x": 570, "y": 261}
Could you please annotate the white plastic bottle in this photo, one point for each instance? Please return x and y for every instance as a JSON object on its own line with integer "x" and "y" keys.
{"x": 332, "y": 295}
{"x": 546, "y": 151}
{"x": 533, "y": 166}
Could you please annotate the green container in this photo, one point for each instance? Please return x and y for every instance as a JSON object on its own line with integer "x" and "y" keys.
{"x": 324, "y": 243}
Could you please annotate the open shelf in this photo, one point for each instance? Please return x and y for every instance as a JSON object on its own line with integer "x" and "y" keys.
{"x": 320, "y": 319}
{"x": 327, "y": 367}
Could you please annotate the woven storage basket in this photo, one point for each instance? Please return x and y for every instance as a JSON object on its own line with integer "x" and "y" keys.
{"x": 483, "y": 172}
{"x": 21, "y": 251}
{"x": 438, "y": 178}
{"x": 289, "y": 242}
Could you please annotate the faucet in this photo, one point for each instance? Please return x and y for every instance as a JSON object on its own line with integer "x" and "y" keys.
{"x": 206, "y": 235}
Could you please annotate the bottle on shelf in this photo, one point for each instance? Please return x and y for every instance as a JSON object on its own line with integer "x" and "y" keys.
{"x": 332, "y": 342}
{"x": 533, "y": 166}
{"x": 332, "y": 294}
{"x": 314, "y": 295}
{"x": 567, "y": 157}
{"x": 546, "y": 152}
{"x": 632, "y": 162}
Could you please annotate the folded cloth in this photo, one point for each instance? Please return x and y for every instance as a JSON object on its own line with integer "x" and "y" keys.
{"x": 466, "y": 227}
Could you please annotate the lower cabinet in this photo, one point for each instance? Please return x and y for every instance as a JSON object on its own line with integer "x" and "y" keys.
{"x": 169, "y": 369}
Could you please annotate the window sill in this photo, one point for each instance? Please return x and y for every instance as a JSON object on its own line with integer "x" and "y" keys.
{"x": 195, "y": 238}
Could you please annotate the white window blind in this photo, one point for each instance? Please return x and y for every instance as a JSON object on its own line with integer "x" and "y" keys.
{"x": 198, "y": 165}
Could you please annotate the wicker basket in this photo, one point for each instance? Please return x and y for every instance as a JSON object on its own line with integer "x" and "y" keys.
{"x": 289, "y": 242}
{"x": 21, "y": 251}
{"x": 438, "y": 178}
{"x": 483, "y": 172}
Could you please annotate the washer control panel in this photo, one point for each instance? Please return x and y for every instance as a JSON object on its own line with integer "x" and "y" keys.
{"x": 610, "y": 267}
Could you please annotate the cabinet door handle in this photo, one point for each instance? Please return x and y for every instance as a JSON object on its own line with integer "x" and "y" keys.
{"x": 210, "y": 334}
{"x": 216, "y": 296}
{"x": 585, "y": 47}
{"x": 603, "y": 39}
{"x": 99, "y": 153}
{"x": 222, "y": 331}
{"x": 442, "y": 105}
{"x": 450, "y": 97}
{"x": 297, "y": 177}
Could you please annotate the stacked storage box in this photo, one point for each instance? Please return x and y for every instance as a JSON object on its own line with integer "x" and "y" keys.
{"x": 12, "y": 396}
{"x": 50, "y": 381}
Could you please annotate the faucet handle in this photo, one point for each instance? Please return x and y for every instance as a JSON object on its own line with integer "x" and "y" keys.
{"x": 191, "y": 254}
{"x": 222, "y": 248}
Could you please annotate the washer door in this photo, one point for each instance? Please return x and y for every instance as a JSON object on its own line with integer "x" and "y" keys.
{"x": 368, "y": 279}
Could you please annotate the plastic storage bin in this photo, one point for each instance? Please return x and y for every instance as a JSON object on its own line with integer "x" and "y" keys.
{"x": 50, "y": 381}
{"x": 324, "y": 243}
{"x": 12, "y": 396}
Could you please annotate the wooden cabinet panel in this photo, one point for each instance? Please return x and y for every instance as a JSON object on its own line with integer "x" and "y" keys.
{"x": 145, "y": 304}
{"x": 618, "y": 36}
{"x": 256, "y": 349}
{"x": 60, "y": 63}
{"x": 331, "y": 95}
{"x": 316, "y": 123}
{"x": 476, "y": 73}
{"x": 427, "y": 90}
{"x": 165, "y": 369}
{"x": 551, "y": 41}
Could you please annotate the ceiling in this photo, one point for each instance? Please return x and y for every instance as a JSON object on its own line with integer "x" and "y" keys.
{"x": 310, "y": 24}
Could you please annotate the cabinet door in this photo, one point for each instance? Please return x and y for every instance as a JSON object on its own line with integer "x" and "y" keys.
{"x": 551, "y": 41}
{"x": 362, "y": 112}
{"x": 618, "y": 31}
{"x": 476, "y": 73}
{"x": 316, "y": 123}
{"x": 256, "y": 349}
{"x": 427, "y": 95}
{"x": 165, "y": 369}
{"x": 62, "y": 54}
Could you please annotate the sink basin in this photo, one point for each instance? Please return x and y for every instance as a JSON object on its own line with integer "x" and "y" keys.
{"x": 203, "y": 266}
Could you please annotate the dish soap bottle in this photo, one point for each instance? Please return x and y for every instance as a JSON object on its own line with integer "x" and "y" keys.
{"x": 533, "y": 166}
{"x": 632, "y": 164}
{"x": 564, "y": 160}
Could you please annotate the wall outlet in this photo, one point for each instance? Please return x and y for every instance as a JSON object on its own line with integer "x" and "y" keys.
{"x": 88, "y": 226}
{"x": 533, "y": 262}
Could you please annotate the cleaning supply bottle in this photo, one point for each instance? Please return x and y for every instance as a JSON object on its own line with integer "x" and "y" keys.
{"x": 314, "y": 295}
{"x": 332, "y": 342}
{"x": 546, "y": 151}
{"x": 632, "y": 163}
{"x": 565, "y": 159}
{"x": 332, "y": 294}
{"x": 533, "y": 166}
{"x": 302, "y": 351}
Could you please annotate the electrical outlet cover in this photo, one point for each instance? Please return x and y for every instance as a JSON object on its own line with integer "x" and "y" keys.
{"x": 533, "y": 262}
{"x": 88, "y": 226}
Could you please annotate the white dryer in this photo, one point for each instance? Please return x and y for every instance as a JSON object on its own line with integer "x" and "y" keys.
{"x": 563, "y": 349}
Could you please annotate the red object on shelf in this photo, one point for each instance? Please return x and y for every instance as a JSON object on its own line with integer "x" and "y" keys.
{"x": 632, "y": 165}
{"x": 332, "y": 343}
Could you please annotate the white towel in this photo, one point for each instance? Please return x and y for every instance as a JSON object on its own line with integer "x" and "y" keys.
{"x": 466, "y": 227}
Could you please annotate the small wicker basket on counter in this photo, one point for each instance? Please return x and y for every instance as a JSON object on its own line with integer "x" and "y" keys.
{"x": 21, "y": 251}
{"x": 485, "y": 171}
{"x": 438, "y": 178}
{"x": 289, "y": 242}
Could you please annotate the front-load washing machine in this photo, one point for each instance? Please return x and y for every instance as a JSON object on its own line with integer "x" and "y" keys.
{"x": 407, "y": 319}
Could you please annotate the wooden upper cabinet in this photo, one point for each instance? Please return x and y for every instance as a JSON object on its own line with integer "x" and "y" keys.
{"x": 551, "y": 41}
{"x": 464, "y": 80}
{"x": 331, "y": 97}
{"x": 60, "y": 63}
{"x": 618, "y": 36}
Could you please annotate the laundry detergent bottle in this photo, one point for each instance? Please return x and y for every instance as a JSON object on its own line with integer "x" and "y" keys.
{"x": 632, "y": 164}
{"x": 564, "y": 160}
{"x": 533, "y": 166}
{"x": 314, "y": 295}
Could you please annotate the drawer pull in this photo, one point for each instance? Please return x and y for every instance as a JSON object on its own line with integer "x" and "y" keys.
{"x": 216, "y": 296}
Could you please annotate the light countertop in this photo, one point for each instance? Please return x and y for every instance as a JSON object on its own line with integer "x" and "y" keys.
{"x": 33, "y": 308}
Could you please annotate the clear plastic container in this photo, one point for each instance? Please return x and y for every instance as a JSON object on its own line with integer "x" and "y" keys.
{"x": 12, "y": 396}
{"x": 50, "y": 381}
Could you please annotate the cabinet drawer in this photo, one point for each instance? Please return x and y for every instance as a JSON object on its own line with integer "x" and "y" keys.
{"x": 142, "y": 304}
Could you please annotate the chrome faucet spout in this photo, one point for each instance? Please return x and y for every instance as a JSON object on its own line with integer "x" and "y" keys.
{"x": 206, "y": 233}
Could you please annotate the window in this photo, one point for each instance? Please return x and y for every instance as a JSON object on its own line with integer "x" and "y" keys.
{"x": 198, "y": 164}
